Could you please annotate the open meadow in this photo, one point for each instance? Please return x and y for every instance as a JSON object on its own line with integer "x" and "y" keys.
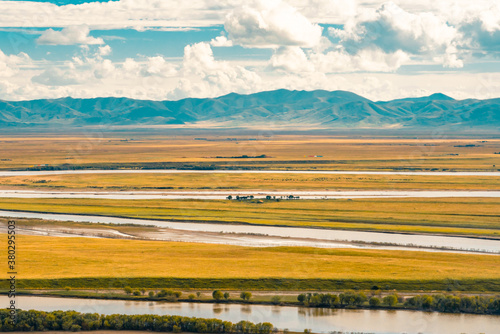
{"x": 477, "y": 217}
{"x": 88, "y": 262}
{"x": 57, "y": 262}
{"x": 247, "y": 181}
{"x": 253, "y": 151}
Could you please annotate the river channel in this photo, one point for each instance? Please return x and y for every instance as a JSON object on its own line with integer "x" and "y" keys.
{"x": 294, "y": 318}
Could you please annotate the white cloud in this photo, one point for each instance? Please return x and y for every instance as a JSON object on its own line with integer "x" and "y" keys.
{"x": 103, "y": 69}
{"x": 221, "y": 41}
{"x": 55, "y": 76}
{"x": 271, "y": 23}
{"x": 9, "y": 65}
{"x": 158, "y": 66}
{"x": 391, "y": 29}
{"x": 377, "y": 40}
{"x": 204, "y": 76}
{"x": 290, "y": 59}
{"x": 326, "y": 11}
{"x": 366, "y": 60}
{"x": 134, "y": 14}
{"x": 69, "y": 36}
{"x": 105, "y": 50}
{"x": 451, "y": 59}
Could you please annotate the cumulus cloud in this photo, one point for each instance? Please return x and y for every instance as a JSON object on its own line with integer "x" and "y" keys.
{"x": 391, "y": 29}
{"x": 326, "y": 11}
{"x": 366, "y": 60}
{"x": 198, "y": 75}
{"x": 202, "y": 75}
{"x": 290, "y": 59}
{"x": 482, "y": 29}
{"x": 221, "y": 41}
{"x": 271, "y": 23}
{"x": 158, "y": 66}
{"x": 363, "y": 55}
{"x": 140, "y": 15}
{"x": 9, "y": 65}
{"x": 55, "y": 76}
{"x": 105, "y": 50}
{"x": 69, "y": 36}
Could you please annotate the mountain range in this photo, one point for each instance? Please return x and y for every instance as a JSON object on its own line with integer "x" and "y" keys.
{"x": 282, "y": 108}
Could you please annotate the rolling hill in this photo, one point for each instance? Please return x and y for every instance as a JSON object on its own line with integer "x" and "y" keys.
{"x": 280, "y": 108}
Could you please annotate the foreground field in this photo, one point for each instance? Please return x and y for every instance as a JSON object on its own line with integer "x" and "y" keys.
{"x": 478, "y": 217}
{"x": 254, "y": 151}
{"x": 247, "y": 181}
{"x": 49, "y": 258}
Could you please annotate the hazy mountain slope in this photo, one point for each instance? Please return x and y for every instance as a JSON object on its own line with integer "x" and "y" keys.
{"x": 318, "y": 109}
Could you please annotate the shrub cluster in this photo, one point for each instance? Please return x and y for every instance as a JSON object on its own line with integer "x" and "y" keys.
{"x": 347, "y": 299}
{"x": 440, "y": 303}
{"x": 455, "y": 304}
{"x": 28, "y": 321}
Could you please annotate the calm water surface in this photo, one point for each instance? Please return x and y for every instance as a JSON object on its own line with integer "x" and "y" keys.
{"x": 457, "y": 243}
{"x": 174, "y": 171}
{"x": 293, "y": 318}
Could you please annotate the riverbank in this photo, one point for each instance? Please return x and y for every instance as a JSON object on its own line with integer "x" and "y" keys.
{"x": 61, "y": 228}
{"x": 467, "y": 217}
{"x": 264, "y": 284}
{"x": 436, "y": 301}
{"x": 286, "y": 318}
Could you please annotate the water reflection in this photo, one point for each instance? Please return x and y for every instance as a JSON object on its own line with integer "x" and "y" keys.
{"x": 246, "y": 309}
{"x": 218, "y": 308}
{"x": 293, "y": 318}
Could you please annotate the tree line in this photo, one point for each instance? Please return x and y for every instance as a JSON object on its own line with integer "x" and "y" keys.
{"x": 439, "y": 302}
{"x": 28, "y": 321}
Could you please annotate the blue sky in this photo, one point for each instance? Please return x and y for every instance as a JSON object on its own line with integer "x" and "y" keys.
{"x": 171, "y": 50}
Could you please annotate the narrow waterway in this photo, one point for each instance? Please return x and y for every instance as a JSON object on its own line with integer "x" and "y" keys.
{"x": 176, "y": 171}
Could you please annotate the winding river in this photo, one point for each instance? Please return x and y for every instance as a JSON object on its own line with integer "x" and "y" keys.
{"x": 314, "y": 235}
{"x": 292, "y": 318}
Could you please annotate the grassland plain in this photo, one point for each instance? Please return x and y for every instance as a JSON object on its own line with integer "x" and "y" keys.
{"x": 477, "y": 217}
{"x": 248, "y": 181}
{"x": 139, "y": 150}
{"x": 51, "y": 262}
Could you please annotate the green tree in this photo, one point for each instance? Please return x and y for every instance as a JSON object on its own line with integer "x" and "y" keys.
{"x": 151, "y": 294}
{"x": 217, "y": 294}
{"x": 276, "y": 300}
{"x": 226, "y": 295}
{"x": 245, "y": 295}
{"x": 128, "y": 290}
{"x": 374, "y": 302}
{"x": 191, "y": 296}
{"x": 390, "y": 300}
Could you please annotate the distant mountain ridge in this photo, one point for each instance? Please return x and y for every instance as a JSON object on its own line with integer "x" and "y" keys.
{"x": 279, "y": 108}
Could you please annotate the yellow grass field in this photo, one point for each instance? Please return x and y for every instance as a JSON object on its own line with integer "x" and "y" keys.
{"x": 248, "y": 181}
{"x": 51, "y": 257}
{"x": 455, "y": 216}
{"x": 281, "y": 151}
